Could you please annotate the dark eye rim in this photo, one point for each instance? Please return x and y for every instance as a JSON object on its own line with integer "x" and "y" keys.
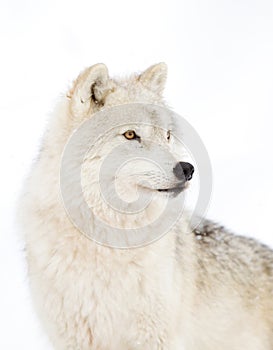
{"x": 135, "y": 137}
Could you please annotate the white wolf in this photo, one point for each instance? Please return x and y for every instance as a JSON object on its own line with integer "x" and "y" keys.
{"x": 207, "y": 290}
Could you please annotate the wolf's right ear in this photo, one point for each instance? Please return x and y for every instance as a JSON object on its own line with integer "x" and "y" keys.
{"x": 154, "y": 78}
{"x": 91, "y": 86}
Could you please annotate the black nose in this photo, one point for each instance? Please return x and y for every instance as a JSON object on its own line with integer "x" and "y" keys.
{"x": 183, "y": 171}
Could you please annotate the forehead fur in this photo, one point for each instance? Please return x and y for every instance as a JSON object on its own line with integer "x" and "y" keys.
{"x": 140, "y": 114}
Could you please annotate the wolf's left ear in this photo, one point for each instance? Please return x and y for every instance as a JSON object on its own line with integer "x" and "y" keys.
{"x": 91, "y": 87}
{"x": 154, "y": 78}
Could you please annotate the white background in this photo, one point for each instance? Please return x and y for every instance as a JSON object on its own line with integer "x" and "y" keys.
{"x": 220, "y": 58}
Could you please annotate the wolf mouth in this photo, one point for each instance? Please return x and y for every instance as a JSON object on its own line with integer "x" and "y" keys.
{"x": 173, "y": 190}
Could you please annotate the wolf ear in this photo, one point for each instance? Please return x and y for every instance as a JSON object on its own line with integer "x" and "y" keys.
{"x": 154, "y": 78}
{"x": 91, "y": 86}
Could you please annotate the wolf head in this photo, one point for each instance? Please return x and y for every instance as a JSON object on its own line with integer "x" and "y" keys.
{"x": 137, "y": 164}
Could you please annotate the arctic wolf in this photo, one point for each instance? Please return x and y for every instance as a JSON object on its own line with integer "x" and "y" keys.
{"x": 207, "y": 290}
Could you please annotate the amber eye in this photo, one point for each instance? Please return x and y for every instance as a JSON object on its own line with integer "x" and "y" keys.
{"x": 130, "y": 135}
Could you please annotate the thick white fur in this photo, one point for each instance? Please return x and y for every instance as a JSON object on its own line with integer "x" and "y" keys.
{"x": 178, "y": 293}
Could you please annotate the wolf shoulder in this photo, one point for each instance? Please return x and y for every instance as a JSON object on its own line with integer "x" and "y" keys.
{"x": 231, "y": 288}
{"x": 233, "y": 266}
{"x": 245, "y": 260}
